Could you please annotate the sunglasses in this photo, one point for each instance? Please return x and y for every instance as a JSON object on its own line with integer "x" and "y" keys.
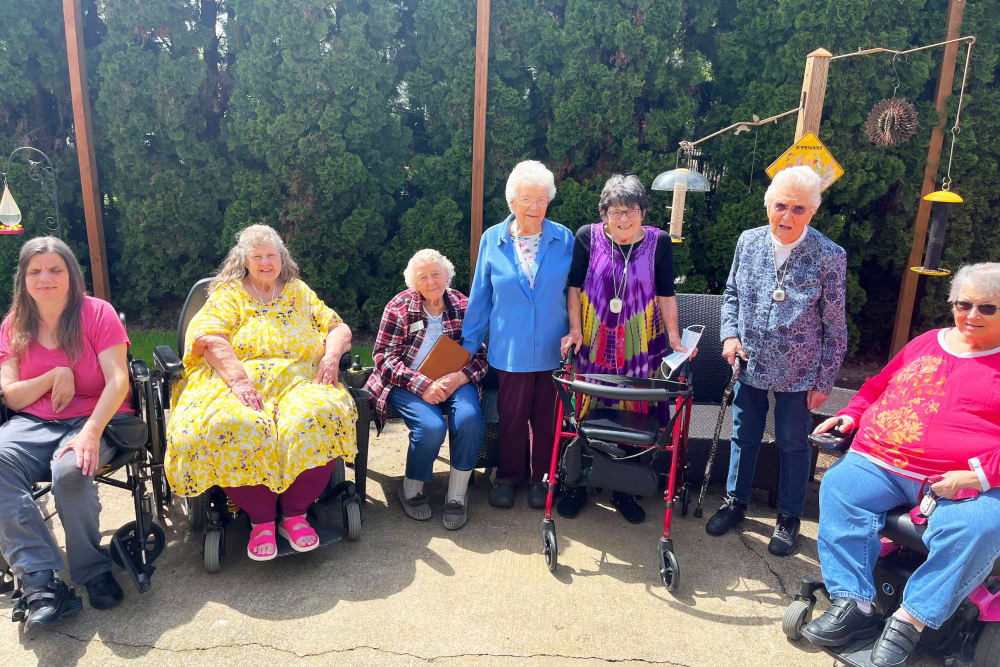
{"x": 798, "y": 209}
{"x": 985, "y": 309}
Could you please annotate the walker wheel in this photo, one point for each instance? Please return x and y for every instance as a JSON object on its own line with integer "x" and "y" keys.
{"x": 196, "y": 509}
{"x": 796, "y": 616}
{"x": 550, "y": 548}
{"x": 127, "y": 537}
{"x": 670, "y": 570}
{"x": 352, "y": 520}
{"x": 214, "y": 550}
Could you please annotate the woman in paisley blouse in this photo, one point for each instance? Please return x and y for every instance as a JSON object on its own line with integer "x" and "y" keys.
{"x": 783, "y": 315}
{"x": 259, "y": 410}
{"x": 931, "y": 417}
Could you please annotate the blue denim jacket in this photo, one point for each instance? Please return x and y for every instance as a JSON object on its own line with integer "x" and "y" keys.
{"x": 525, "y": 324}
{"x": 799, "y": 343}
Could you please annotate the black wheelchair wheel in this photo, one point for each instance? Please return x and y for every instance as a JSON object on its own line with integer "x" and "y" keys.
{"x": 352, "y": 520}
{"x": 670, "y": 570}
{"x": 550, "y": 547}
{"x": 196, "y": 509}
{"x": 162, "y": 495}
{"x": 988, "y": 646}
{"x": 795, "y": 618}
{"x": 128, "y": 538}
{"x": 214, "y": 549}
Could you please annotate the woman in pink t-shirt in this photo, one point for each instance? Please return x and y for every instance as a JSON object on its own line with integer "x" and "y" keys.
{"x": 931, "y": 417}
{"x": 64, "y": 378}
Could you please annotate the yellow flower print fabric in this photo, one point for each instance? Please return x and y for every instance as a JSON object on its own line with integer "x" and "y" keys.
{"x": 213, "y": 439}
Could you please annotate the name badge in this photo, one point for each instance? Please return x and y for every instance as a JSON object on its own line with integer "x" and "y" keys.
{"x": 416, "y": 326}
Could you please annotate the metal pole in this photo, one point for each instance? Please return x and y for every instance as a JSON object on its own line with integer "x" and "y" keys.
{"x": 84, "y": 133}
{"x": 908, "y": 288}
{"x": 479, "y": 131}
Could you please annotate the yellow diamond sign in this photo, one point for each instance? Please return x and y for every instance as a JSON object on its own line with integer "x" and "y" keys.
{"x": 809, "y": 151}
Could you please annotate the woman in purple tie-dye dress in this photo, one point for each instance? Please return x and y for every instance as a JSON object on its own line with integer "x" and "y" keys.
{"x": 622, "y": 310}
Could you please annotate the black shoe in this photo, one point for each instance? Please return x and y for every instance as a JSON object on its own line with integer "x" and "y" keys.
{"x": 538, "y": 494}
{"x": 45, "y": 604}
{"x": 841, "y": 624}
{"x": 896, "y": 644}
{"x": 728, "y": 516}
{"x": 571, "y": 502}
{"x": 502, "y": 495}
{"x": 103, "y": 591}
{"x": 785, "y": 536}
{"x": 627, "y": 506}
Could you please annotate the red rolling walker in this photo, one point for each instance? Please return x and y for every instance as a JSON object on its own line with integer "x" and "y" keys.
{"x": 598, "y": 437}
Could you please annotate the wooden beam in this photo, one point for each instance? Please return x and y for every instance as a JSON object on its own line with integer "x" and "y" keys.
{"x": 84, "y": 134}
{"x": 813, "y": 93}
{"x": 479, "y": 131}
{"x": 908, "y": 287}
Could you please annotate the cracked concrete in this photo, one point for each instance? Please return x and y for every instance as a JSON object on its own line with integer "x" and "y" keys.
{"x": 412, "y": 593}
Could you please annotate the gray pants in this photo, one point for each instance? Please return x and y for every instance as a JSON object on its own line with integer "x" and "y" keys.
{"x": 27, "y": 449}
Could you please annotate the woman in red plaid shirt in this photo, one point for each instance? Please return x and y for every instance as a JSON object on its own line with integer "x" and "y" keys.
{"x": 412, "y": 322}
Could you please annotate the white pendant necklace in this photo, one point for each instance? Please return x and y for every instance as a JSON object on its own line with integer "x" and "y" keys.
{"x": 274, "y": 287}
{"x": 616, "y": 304}
{"x": 779, "y": 291}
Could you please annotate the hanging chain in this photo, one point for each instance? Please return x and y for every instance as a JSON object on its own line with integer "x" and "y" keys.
{"x": 956, "y": 128}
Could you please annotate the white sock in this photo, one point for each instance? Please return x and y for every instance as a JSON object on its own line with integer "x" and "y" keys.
{"x": 865, "y": 608}
{"x": 458, "y": 484}
{"x": 412, "y": 487}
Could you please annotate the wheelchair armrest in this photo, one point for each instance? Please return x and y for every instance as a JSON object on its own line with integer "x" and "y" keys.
{"x": 167, "y": 360}
{"x": 345, "y": 361}
{"x": 140, "y": 371}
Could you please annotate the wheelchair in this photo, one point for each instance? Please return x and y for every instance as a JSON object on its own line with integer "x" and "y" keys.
{"x": 211, "y": 511}
{"x": 137, "y": 544}
{"x": 970, "y": 637}
{"x": 591, "y": 453}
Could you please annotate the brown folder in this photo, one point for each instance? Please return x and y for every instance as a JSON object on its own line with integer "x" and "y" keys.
{"x": 446, "y": 356}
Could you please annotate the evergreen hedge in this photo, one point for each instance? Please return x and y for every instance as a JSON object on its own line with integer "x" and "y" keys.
{"x": 347, "y": 125}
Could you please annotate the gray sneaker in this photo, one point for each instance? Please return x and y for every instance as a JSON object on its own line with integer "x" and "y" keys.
{"x": 455, "y": 515}
{"x": 416, "y": 507}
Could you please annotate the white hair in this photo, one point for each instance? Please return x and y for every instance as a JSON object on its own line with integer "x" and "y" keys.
{"x": 530, "y": 172}
{"x": 985, "y": 277}
{"x": 799, "y": 178}
{"x": 427, "y": 255}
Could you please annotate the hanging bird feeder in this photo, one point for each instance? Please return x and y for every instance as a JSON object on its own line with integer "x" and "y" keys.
{"x": 10, "y": 214}
{"x": 941, "y": 204}
{"x": 680, "y": 181}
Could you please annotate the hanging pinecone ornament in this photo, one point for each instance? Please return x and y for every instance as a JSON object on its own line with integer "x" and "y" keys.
{"x": 892, "y": 122}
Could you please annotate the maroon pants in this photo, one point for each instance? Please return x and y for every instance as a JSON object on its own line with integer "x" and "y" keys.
{"x": 261, "y": 503}
{"x": 525, "y": 398}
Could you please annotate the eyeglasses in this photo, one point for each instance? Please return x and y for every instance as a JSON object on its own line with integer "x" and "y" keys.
{"x": 985, "y": 309}
{"x": 541, "y": 202}
{"x": 629, "y": 213}
{"x": 798, "y": 209}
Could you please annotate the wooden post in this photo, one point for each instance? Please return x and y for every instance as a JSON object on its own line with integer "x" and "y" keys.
{"x": 813, "y": 92}
{"x": 479, "y": 131}
{"x": 84, "y": 134}
{"x": 908, "y": 287}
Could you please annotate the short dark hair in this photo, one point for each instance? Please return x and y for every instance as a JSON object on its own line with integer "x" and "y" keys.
{"x": 623, "y": 191}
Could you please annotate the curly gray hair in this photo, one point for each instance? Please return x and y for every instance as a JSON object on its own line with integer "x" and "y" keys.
{"x": 984, "y": 276}
{"x": 530, "y": 172}
{"x": 234, "y": 267}
{"x": 427, "y": 255}
{"x": 800, "y": 178}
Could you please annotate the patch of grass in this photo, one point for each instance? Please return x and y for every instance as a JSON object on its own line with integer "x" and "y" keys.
{"x": 144, "y": 340}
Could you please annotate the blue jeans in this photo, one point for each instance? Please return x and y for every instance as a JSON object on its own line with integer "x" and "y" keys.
{"x": 428, "y": 427}
{"x": 792, "y": 422}
{"x": 963, "y": 538}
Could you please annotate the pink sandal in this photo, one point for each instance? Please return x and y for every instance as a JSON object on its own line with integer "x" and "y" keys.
{"x": 294, "y": 528}
{"x": 261, "y": 534}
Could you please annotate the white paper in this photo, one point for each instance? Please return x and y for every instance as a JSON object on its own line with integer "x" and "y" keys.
{"x": 689, "y": 339}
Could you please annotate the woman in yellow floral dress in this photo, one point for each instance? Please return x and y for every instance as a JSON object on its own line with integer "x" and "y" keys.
{"x": 259, "y": 410}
